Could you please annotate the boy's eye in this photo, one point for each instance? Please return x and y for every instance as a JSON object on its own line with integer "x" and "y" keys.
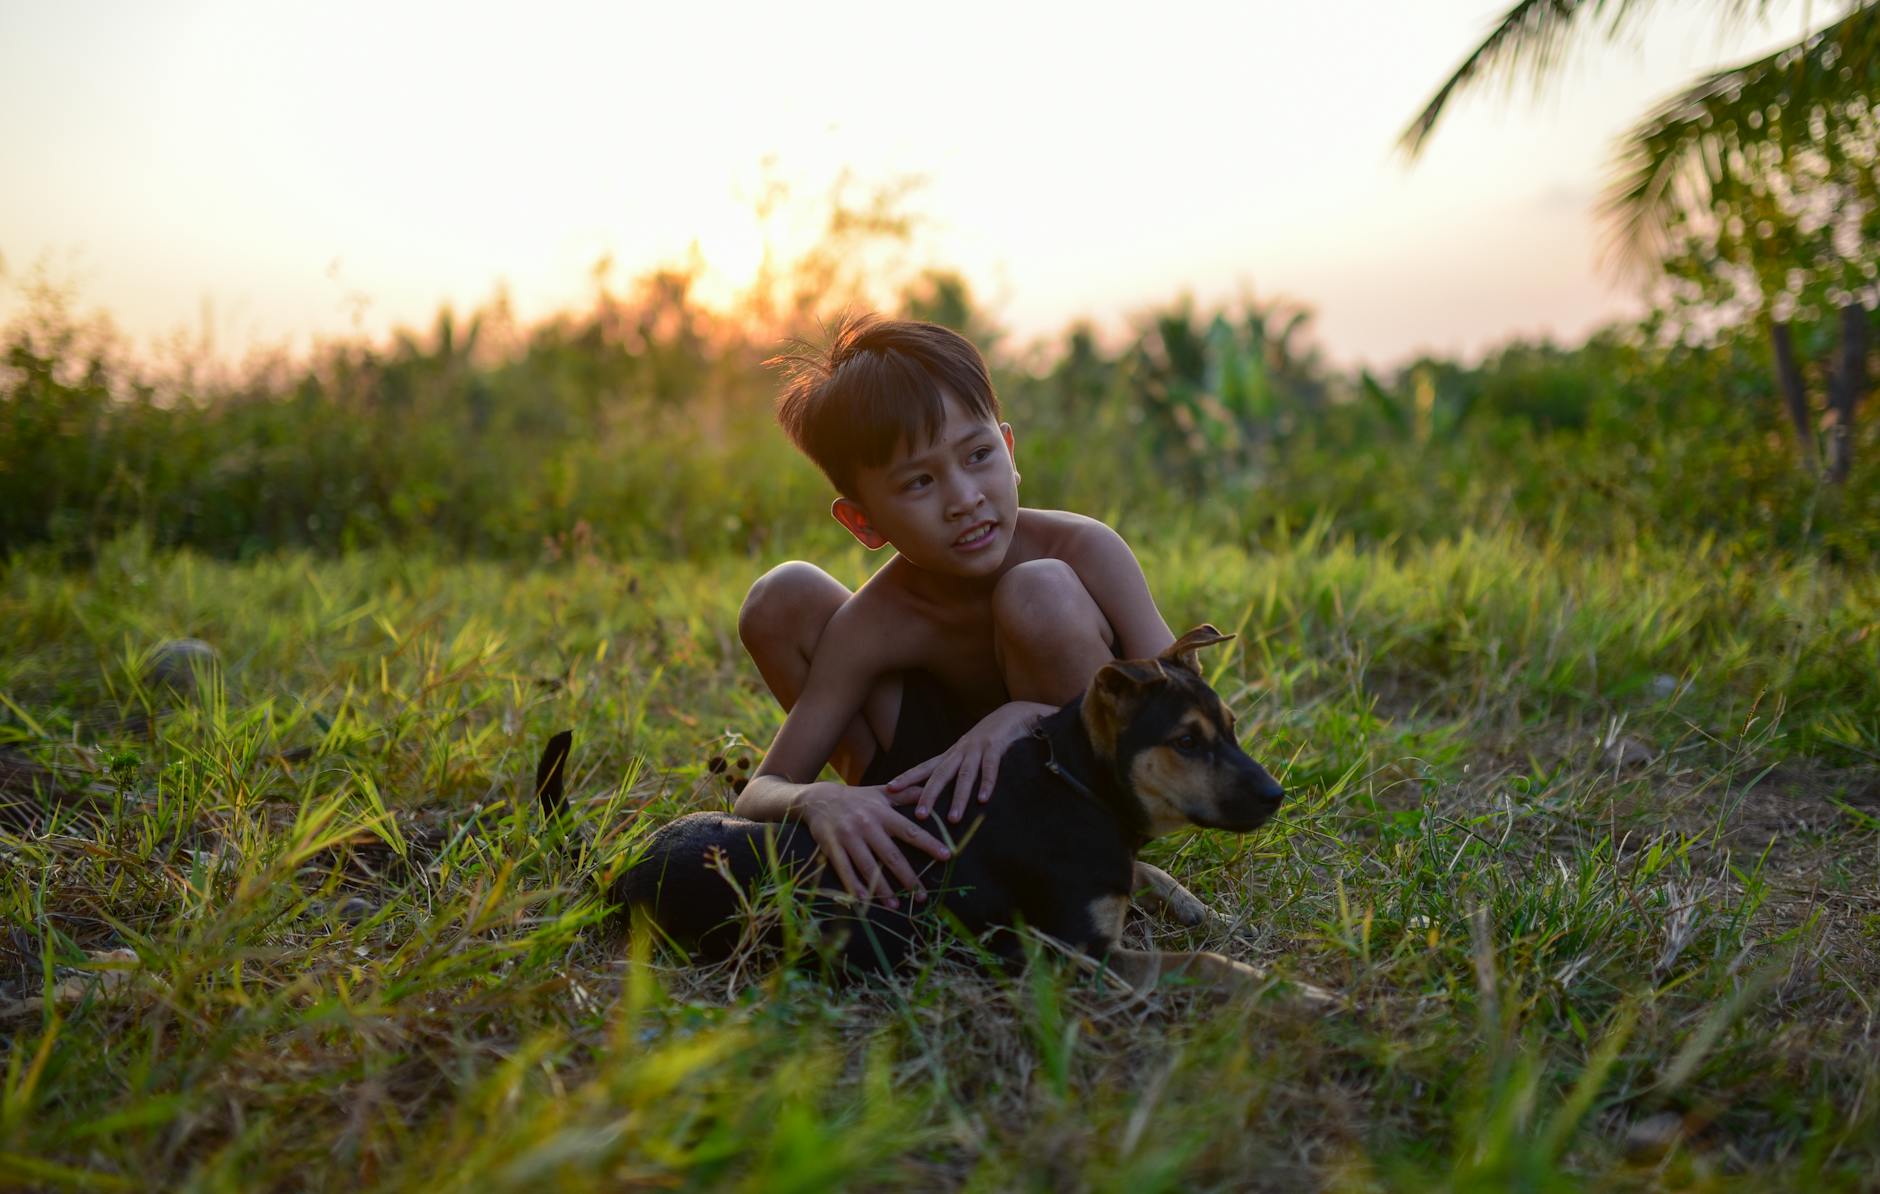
{"x": 916, "y": 482}
{"x": 979, "y": 454}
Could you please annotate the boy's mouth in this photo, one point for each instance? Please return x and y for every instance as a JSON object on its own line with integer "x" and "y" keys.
{"x": 980, "y": 534}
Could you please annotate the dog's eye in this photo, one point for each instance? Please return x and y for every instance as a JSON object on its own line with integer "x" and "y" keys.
{"x": 1187, "y": 742}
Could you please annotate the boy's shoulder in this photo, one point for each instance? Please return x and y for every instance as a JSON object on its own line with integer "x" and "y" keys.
{"x": 895, "y": 621}
{"x": 1085, "y": 543}
{"x": 1060, "y": 534}
{"x": 1092, "y": 548}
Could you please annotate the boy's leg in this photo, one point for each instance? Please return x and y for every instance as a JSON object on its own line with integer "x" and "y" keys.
{"x": 781, "y": 624}
{"x": 1048, "y": 634}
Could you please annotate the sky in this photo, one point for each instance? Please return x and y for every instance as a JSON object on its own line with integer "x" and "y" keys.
{"x": 260, "y": 174}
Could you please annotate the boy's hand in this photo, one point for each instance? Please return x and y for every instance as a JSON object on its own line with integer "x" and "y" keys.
{"x": 971, "y": 766}
{"x": 856, "y": 828}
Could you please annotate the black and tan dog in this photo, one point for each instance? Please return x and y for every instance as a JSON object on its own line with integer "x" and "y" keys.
{"x": 1148, "y": 749}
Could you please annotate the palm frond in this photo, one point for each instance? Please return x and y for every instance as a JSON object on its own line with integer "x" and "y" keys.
{"x": 1532, "y": 39}
{"x": 1710, "y": 137}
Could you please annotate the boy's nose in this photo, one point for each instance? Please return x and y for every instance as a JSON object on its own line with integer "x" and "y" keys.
{"x": 964, "y": 499}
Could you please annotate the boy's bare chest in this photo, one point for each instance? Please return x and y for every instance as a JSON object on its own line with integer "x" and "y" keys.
{"x": 957, "y": 649}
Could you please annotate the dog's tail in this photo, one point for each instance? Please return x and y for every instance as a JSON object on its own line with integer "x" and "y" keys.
{"x": 548, "y": 775}
{"x": 639, "y": 884}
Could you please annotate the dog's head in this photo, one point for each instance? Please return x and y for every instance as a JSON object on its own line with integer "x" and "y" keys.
{"x": 1171, "y": 740}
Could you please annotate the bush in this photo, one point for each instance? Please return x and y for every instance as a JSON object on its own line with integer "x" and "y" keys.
{"x": 647, "y": 424}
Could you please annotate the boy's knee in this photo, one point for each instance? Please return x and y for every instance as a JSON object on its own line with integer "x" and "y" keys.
{"x": 1044, "y": 599}
{"x": 780, "y": 597}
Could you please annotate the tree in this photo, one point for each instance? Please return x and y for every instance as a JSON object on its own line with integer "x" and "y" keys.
{"x": 1751, "y": 193}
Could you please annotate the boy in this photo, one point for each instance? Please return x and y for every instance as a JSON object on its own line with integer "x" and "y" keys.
{"x": 986, "y": 617}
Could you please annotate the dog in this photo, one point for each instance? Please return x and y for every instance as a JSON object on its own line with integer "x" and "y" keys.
{"x": 1147, "y": 749}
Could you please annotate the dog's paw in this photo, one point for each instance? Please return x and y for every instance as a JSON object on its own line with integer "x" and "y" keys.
{"x": 1316, "y": 997}
{"x": 1301, "y": 996}
{"x": 1186, "y": 909}
{"x": 1231, "y": 929}
{"x": 1300, "y": 993}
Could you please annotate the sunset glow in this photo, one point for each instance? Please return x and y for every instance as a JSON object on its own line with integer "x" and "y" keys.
{"x": 319, "y": 171}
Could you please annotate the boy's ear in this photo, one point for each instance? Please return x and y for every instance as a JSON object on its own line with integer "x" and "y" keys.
{"x": 855, "y": 519}
{"x": 1011, "y": 449}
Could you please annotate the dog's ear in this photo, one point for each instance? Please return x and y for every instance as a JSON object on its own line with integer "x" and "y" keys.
{"x": 1113, "y": 696}
{"x": 1181, "y": 652}
{"x": 1124, "y": 677}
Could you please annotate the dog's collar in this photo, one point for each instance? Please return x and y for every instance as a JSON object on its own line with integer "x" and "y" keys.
{"x": 1051, "y": 765}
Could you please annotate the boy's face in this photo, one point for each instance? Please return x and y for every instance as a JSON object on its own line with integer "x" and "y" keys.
{"x": 948, "y": 506}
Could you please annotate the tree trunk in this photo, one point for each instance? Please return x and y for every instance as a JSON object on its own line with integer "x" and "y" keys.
{"x": 1794, "y": 397}
{"x": 1845, "y": 390}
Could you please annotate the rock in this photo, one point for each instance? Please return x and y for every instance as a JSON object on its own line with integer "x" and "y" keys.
{"x": 1650, "y": 1139}
{"x": 354, "y": 910}
{"x": 1627, "y": 751}
{"x": 180, "y": 665}
{"x": 114, "y": 971}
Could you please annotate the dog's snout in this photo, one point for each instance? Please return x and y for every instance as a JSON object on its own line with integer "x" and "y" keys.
{"x": 1268, "y": 787}
{"x": 1255, "y": 782}
{"x": 1253, "y": 798}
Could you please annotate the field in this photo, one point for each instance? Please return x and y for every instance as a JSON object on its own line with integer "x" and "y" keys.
{"x": 1569, "y": 670}
{"x": 1586, "y": 836}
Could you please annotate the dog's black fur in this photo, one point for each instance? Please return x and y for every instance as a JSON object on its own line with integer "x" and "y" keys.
{"x": 1148, "y": 748}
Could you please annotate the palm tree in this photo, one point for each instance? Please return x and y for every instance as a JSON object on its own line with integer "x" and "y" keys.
{"x": 1755, "y": 184}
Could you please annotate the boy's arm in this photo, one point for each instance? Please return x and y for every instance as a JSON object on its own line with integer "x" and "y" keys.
{"x": 971, "y": 766}
{"x": 856, "y": 828}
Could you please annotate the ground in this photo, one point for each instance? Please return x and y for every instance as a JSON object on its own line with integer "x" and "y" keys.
{"x": 1590, "y": 843}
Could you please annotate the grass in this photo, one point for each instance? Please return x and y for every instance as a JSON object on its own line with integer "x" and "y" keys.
{"x": 1590, "y": 841}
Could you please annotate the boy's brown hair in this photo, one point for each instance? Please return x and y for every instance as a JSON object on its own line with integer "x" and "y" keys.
{"x": 876, "y": 386}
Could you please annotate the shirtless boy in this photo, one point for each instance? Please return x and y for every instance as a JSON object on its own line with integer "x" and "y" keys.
{"x": 987, "y": 616}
